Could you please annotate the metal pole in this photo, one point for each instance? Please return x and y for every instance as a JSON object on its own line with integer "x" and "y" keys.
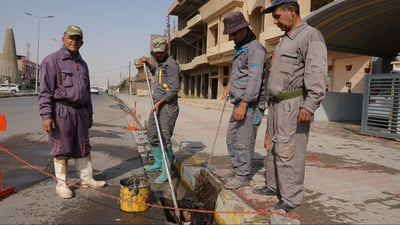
{"x": 37, "y": 58}
{"x": 38, "y": 43}
{"x": 215, "y": 137}
{"x": 169, "y": 35}
{"x": 130, "y": 86}
{"x": 162, "y": 146}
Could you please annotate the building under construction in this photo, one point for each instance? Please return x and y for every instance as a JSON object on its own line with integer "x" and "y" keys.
{"x": 205, "y": 54}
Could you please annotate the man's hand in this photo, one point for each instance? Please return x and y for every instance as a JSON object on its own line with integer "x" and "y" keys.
{"x": 156, "y": 107}
{"x": 227, "y": 90}
{"x": 48, "y": 124}
{"x": 145, "y": 60}
{"x": 90, "y": 122}
{"x": 304, "y": 116}
{"x": 240, "y": 111}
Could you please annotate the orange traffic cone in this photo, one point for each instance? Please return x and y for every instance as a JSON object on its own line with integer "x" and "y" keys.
{"x": 133, "y": 122}
{"x": 5, "y": 192}
{"x": 2, "y": 122}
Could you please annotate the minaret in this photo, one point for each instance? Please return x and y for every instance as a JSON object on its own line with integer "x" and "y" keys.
{"x": 8, "y": 60}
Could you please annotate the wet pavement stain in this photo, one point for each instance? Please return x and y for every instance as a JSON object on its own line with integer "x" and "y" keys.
{"x": 318, "y": 213}
{"x": 391, "y": 202}
{"x": 396, "y": 195}
{"x": 22, "y": 138}
{"x": 92, "y": 209}
{"x": 350, "y": 130}
{"x": 108, "y": 134}
{"x": 339, "y": 162}
{"x": 102, "y": 124}
{"x": 15, "y": 172}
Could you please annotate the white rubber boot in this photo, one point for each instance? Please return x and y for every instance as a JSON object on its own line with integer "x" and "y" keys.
{"x": 61, "y": 170}
{"x": 85, "y": 172}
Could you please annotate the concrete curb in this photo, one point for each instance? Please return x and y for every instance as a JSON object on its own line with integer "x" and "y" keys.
{"x": 16, "y": 95}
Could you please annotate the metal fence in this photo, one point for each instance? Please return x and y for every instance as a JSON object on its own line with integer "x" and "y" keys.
{"x": 381, "y": 108}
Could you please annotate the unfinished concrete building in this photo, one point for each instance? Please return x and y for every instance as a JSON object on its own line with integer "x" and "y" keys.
{"x": 189, "y": 45}
{"x": 204, "y": 52}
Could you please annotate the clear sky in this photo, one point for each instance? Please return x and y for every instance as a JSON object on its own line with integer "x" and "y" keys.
{"x": 115, "y": 32}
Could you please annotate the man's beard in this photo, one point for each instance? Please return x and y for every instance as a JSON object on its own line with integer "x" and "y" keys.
{"x": 162, "y": 59}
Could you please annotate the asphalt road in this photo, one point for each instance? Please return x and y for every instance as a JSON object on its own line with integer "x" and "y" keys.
{"x": 115, "y": 156}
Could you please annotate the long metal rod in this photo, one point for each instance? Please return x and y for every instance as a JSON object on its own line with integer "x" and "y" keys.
{"x": 215, "y": 138}
{"x": 162, "y": 146}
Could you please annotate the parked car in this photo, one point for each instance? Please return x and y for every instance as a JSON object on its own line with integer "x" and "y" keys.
{"x": 9, "y": 88}
{"x": 94, "y": 90}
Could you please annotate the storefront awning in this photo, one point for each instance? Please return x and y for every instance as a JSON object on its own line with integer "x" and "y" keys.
{"x": 369, "y": 27}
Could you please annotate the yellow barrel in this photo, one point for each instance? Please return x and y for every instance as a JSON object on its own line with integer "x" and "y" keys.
{"x": 134, "y": 194}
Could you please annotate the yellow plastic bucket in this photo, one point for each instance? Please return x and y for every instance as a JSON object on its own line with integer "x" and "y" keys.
{"x": 134, "y": 194}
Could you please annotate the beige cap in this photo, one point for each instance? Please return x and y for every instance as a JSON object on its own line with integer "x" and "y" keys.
{"x": 159, "y": 44}
{"x": 73, "y": 30}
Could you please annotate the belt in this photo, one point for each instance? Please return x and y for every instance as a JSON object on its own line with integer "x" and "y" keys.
{"x": 68, "y": 103}
{"x": 287, "y": 95}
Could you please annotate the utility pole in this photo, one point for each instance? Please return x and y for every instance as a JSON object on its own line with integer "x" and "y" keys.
{"x": 169, "y": 35}
{"x": 108, "y": 86}
{"x": 130, "y": 85}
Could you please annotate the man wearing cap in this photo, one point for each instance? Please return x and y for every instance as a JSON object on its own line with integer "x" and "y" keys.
{"x": 65, "y": 106}
{"x": 297, "y": 85}
{"x": 165, "y": 97}
{"x": 246, "y": 92}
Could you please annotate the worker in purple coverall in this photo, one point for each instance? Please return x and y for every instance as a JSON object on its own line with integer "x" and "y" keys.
{"x": 66, "y": 110}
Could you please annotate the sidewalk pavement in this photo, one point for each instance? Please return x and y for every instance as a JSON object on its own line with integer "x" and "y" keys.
{"x": 350, "y": 178}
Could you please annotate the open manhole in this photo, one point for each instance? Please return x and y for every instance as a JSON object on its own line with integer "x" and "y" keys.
{"x": 204, "y": 197}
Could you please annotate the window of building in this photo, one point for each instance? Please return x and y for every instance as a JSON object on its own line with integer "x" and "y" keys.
{"x": 256, "y": 20}
{"x": 226, "y": 70}
{"x": 214, "y": 35}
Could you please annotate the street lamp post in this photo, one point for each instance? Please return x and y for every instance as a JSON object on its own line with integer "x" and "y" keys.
{"x": 37, "y": 56}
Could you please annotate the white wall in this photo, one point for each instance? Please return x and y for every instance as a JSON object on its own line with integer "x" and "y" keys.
{"x": 340, "y": 107}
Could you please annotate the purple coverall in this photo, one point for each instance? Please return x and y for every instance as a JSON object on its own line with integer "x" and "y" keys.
{"x": 65, "y": 97}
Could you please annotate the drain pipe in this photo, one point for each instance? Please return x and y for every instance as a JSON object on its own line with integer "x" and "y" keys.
{"x": 162, "y": 146}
